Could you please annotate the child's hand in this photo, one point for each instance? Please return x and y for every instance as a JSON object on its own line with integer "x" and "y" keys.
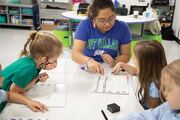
{"x": 130, "y": 69}
{"x": 108, "y": 59}
{"x": 123, "y": 66}
{"x": 43, "y": 77}
{"x": 37, "y": 106}
{"x": 118, "y": 67}
{"x": 51, "y": 66}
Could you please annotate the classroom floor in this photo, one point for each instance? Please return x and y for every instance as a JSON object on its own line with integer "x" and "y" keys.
{"x": 12, "y": 42}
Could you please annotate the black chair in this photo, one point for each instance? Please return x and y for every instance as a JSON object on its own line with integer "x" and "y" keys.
{"x": 122, "y": 10}
{"x": 141, "y": 9}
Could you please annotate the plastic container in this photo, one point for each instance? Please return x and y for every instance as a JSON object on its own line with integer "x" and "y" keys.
{"x": 2, "y": 19}
{"x": 116, "y": 4}
{"x": 77, "y": 1}
{"x": 3, "y": 1}
{"x": 26, "y": 2}
{"x": 14, "y": 1}
{"x": 149, "y": 11}
{"x": 27, "y": 11}
{"x": 63, "y": 34}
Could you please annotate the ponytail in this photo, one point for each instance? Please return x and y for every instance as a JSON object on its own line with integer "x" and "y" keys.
{"x": 32, "y": 36}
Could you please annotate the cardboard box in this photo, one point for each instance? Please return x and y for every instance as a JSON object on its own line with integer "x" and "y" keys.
{"x": 47, "y": 26}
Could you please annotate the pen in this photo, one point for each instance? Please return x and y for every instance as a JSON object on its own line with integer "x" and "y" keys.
{"x": 105, "y": 117}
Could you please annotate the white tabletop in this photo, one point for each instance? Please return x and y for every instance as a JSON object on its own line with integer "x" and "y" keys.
{"x": 81, "y": 103}
{"x": 128, "y": 19}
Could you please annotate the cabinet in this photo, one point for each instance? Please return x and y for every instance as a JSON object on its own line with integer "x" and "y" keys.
{"x": 16, "y": 15}
{"x": 51, "y": 14}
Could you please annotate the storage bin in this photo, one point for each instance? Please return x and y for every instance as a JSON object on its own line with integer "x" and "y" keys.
{"x": 14, "y": 10}
{"x": 27, "y": 21}
{"x": 152, "y": 37}
{"x": 2, "y": 9}
{"x": 2, "y": 19}
{"x": 63, "y": 34}
{"x": 14, "y": 1}
{"x": 27, "y": 11}
{"x": 26, "y": 2}
{"x": 3, "y": 1}
{"x": 135, "y": 38}
{"x": 76, "y": 1}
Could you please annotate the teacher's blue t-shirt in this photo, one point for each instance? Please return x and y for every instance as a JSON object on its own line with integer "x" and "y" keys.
{"x": 98, "y": 43}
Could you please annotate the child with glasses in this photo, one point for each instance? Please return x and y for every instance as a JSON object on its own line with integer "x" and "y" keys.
{"x": 101, "y": 38}
{"x": 149, "y": 61}
{"x": 21, "y": 75}
{"x": 170, "y": 86}
{"x": 18, "y": 98}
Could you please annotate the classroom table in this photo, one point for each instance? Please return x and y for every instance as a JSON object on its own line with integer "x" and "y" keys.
{"x": 129, "y": 19}
{"x": 81, "y": 103}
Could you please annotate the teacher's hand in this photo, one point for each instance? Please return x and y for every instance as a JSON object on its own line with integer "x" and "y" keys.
{"x": 108, "y": 59}
{"x": 94, "y": 66}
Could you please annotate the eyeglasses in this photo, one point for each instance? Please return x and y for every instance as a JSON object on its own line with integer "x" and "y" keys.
{"x": 111, "y": 20}
{"x": 51, "y": 62}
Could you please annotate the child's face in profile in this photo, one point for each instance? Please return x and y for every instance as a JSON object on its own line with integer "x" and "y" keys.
{"x": 52, "y": 63}
{"x": 171, "y": 93}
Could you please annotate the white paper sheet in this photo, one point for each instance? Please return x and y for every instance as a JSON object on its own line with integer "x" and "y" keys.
{"x": 52, "y": 95}
{"x": 22, "y": 118}
{"x": 57, "y": 78}
{"x": 112, "y": 84}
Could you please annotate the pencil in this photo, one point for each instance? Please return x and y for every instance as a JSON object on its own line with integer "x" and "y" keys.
{"x": 105, "y": 117}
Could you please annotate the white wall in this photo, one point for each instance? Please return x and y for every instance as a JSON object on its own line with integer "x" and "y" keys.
{"x": 176, "y": 20}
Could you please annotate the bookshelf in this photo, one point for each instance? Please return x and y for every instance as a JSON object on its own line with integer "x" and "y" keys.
{"x": 16, "y": 15}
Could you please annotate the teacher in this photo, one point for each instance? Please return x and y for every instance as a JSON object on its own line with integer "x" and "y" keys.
{"x": 101, "y": 38}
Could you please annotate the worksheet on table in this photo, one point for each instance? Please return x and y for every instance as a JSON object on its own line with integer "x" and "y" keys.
{"x": 112, "y": 84}
{"x": 52, "y": 95}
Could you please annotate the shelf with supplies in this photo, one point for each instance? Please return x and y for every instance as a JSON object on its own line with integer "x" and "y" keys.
{"x": 50, "y": 14}
{"x": 16, "y": 15}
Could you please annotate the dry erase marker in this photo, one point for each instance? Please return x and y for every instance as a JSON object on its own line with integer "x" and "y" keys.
{"x": 105, "y": 117}
{"x": 85, "y": 68}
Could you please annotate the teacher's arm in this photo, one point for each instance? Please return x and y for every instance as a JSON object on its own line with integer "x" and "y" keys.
{"x": 77, "y": 52}
{"x": 125, "y": 53}
{"x": 78, "y": 56}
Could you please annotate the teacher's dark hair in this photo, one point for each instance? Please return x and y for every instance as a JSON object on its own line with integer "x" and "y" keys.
{"x": 97, "y": 5}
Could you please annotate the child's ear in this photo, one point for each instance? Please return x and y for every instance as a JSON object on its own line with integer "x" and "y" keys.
{"x": 43, "y": 59}
{"x": 94, "y": 23}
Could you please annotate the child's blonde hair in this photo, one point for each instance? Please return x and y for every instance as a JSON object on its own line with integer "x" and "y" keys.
{"x": 151, "y": 60}
{"x": 42, "y": 44}
{"x": 173, "y": 71}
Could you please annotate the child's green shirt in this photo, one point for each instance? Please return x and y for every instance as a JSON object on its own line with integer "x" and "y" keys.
{"x": 21, "y": 72}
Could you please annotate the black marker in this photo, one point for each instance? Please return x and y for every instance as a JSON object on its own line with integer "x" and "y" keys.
{"x": 105, "y": 117}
